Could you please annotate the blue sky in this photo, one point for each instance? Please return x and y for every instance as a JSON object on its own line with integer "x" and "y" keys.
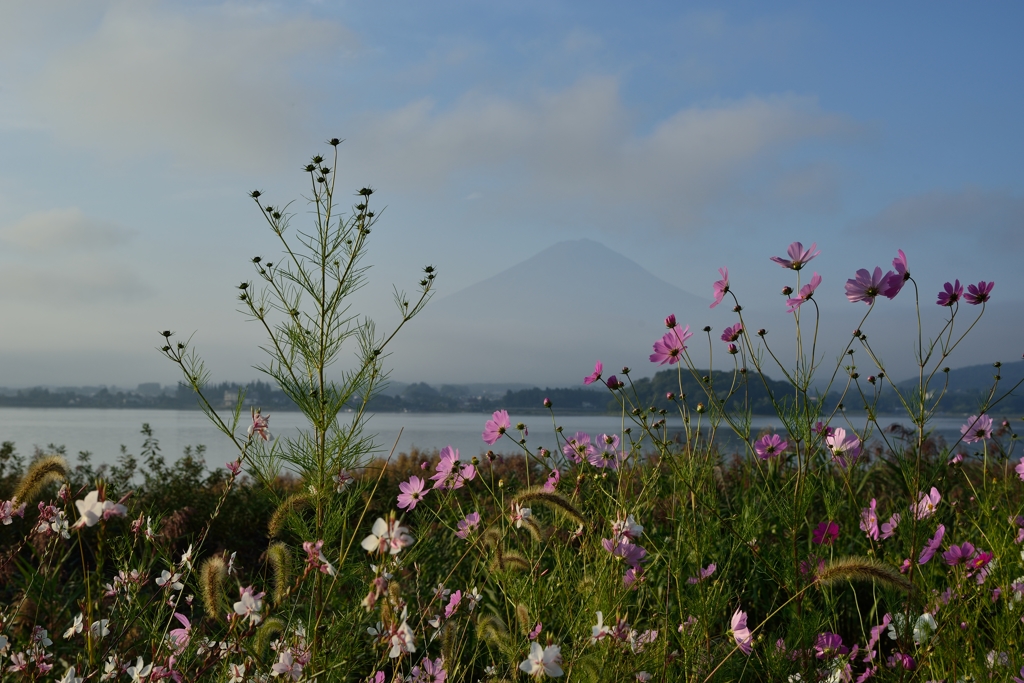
{"x": 685, "y": 136}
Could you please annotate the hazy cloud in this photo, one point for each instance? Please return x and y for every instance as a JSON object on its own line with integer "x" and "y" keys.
{"x": 63, "y": 230}
{"x": 987, "y": 214}
{"x": 72, "y": 283}
{"x": 214, "y": 85}
{"x": 578, "y": 146}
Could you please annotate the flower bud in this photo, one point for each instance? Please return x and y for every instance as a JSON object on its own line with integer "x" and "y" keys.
{"x": 761, "y": 332}
{"x": 547, "y": 402}
{"x": 733, "y": 350}
{"x": 787, "y": 290}
{"x": 701, "y": 408}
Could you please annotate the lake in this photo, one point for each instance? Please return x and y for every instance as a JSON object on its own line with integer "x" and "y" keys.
{"x": 103, "y": 432}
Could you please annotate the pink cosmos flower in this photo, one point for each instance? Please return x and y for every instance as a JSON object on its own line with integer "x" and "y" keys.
{"x": 467, "y": 525}
{"x": 260, "y": 425}
{"x": 1019, "y": 469}
{"x": 865, "y": 286}
{"x": 950, "y": 294}
{"x": 732, "y": 333}
{"x": 979, "y": 293}
{"x": 770, "y": 446}
{"x": 889, "y": 528}
{"x": 496, "y": 426}
{"x": 894, "y": 281}
{"x": 845, "y": 447}
{"x": 535, "y": 633}
{"x": 903, "y": 660}
{"x": 869, "y": 520}
{"x": 595, "y": 375}
{"x": 806, "y": 292}
{"x": 703, "y": 574}
{"x": 630, "y": 552}
{"x": 411, "y": 492}
{"x": 958, "y": 554}
{"x": 450, "y": 473}
{"x": 825, "y": 533}
{"x": 740, "y": 633}
{"x": 977, "y": 429}
{"x": 829, "y": 645}
{"x": 453, "y": 604}
{"x": 930, "y": 548}
{"x": 876, "y": 634}
{"x": 928, "y": 504}
{"x": 721, "y": 287}
{"x": 606, "y": 454}
{"x": 798, "y": 256}
{"x": 552, "y": 481}
{"x": 578, "y": 447}
{"x": 669, "y": 349}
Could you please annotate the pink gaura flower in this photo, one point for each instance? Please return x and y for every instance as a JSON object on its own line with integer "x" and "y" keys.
{"x": 869, "y": 520}
{"x": 579, "y": 447}
{"x": 770, "y": 446}
{"x": 315, "y": 558}
{"x": 932, "y": 546}
{"x": 467, "y": 525}
{"x": 798, "y": 256}
{"x": 950, "y": 294}
{"x": 740, "y": 633}
{"x": 518, "y": 514}
{"x": 260, "y": 425}
{"x": 411, "y": 492}
{"x": 535, "y": 633}
{"x": 825, "y": 533}
{"x": 721, "y": 287}
{"x": 669, "y": 349}
{"x": 928, "y": 504}
{"x": 732, "y": 333}
{"x": 595, "y": 375}
{"x": 234, "y": 467}
{"x": 889, "y": 528}
{"x": 979, "y": 293}
{"x": 894, "y": 281}
{"x": 179, "y": 637}
{"x": 958, "y": 554}
{"x": 865, "y": 286}
{"x": 496, "y": 426}
{"x": 805, "y": 295}
{"x": 977, "y": 429}
{"x": 9, "y": 508}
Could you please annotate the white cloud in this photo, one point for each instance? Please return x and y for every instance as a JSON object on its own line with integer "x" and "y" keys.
{"x": 578, "y": 147}
{"x": 63, "y": 230}
{"x": 988, "y": 215}
{"x": 217, "y": 86}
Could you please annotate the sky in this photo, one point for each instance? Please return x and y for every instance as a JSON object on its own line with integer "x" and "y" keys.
{"x": 683, "y": 136}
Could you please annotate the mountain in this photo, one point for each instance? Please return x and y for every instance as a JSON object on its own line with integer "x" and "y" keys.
{"x": 545, "y": 321}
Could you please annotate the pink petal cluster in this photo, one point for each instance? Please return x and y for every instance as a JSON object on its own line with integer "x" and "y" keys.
{"x": 740, "y": 633}
{"x": 595, "y": 375}
{"x": 928, "y": 504}
{"x": 950, "y": 294}
{"x": 579, "y": 447}
{"x": 977, "y": 429}
{"x": 770, "y": 446}
{"x": 669, "y": 349}
{"x": 869, "y": 520}
{"x": 798, "y": 256}
{"x": 979, "y": 293}
{"x": 721, "y": 287}
{"x": 450, "y": 473}
{"x": 825, "y": 533}
{"x": 845, "y": 447}
{"x": 496, "y": 426}
{"x": 412, "y": 492}
{"x": 805, "y": 294}
{"x": 932, "y": 546}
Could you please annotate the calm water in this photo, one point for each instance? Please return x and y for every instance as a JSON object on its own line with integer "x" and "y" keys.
{"x": 103, "y": 432}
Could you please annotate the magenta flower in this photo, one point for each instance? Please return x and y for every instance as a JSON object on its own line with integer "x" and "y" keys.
{"x": 866, "y": 286}
{"x": 669, "y": 349}
{"x": 930, "y": 548}
{"x": 829, "y": 645}
{"x": 977, "y": 429}
{"x": 579, "y": 447}
{"x": 950, "y": 294}
{"x": 798, "y": 256}
{"x": 979, "y": 293}
{"x": 958, "y": 554}
{"x": 928, "y": 504}
{"x": 889, "y": 528}
{"x": 721, "y": 287}
{"x": 465, "y": 526}
{"x": 894, "y": 281}
{"x": 869, "y": 520}
{"x": 806, "y": 292}
{"x": 606, "y": 454}
{"x": 453, "y": 604}
{"x": 450, "y": 473}
{"x": 411, "y": 492}
{"x": 732, "y": 333}
{"x": 1019, "y": 469}
{"x": 552, "y": 481}
{"x": 670, "y": 321}
{"x": 496, "y": 426}
{"x": 769, "y": 446}
{"x": 740, "y": 633}
{"x": 595, "y": 375}
{"x": 900, "y": 659}
{"x": 234, "y": 467}
{"x": 825, "y": 533}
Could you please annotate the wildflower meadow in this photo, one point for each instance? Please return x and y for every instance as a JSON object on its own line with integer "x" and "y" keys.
{"x": 835, "y": 548}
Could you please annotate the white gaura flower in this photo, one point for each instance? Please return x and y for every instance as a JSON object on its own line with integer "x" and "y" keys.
{"x": 599, "y": 631}
{"x": 99, "y": 628}
{"x": 924, "y": 627}
{"x": 70, "y": 677}
{"x": 91, "y": 509}
{"x": 387, "y": 536}
{"x": 169, "y": 580}
{"x": 543, "y": 661}
{"x": 76, "y": 626}
{"x": 402, "y": 638}
{"x": 140, "y": 672}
